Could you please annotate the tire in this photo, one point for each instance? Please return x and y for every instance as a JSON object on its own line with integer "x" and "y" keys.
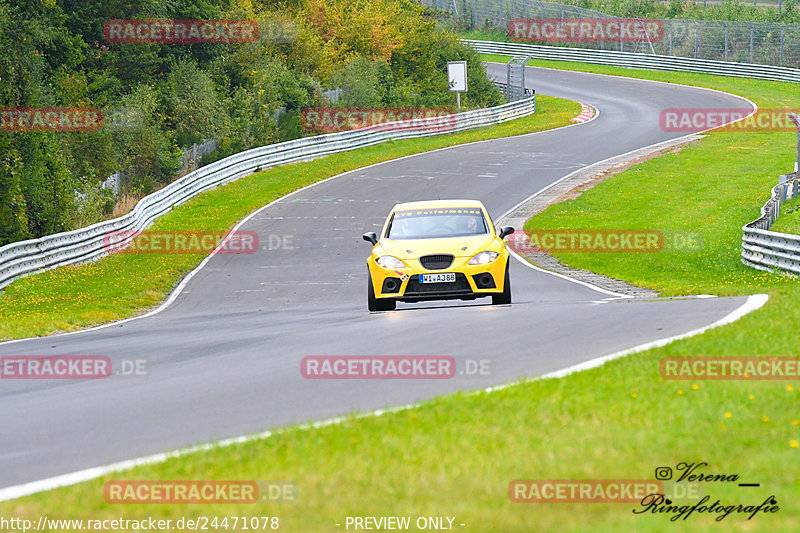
{"x": 378, "y": 304}
{"x": 504, "y": 298}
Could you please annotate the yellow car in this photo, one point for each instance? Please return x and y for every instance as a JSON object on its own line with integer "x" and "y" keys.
{"x": 437, "y": 250}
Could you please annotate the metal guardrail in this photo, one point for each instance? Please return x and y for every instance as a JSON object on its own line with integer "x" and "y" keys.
{"x": 500, "y": 85}
{"x": 770, "y": 250}
{"x": 765, "y": 43}
{"x": 761, "y": 248}
{"x": 22, "y": 258}
{"x": 515, "y": 95}
{"x": 641, "y": 61}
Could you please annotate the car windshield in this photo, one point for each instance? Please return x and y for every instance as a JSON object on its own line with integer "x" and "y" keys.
{"x": 436, "y": 223}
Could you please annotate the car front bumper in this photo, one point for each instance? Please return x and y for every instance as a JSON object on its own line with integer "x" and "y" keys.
{"x": 472, "y": 281}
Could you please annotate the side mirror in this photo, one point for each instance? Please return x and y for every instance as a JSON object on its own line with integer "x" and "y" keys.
{"x": 505, "y": 230}
{"x": 371, "y": 237}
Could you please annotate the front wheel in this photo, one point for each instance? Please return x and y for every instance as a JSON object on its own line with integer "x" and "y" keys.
{"x": 378, "y": 304}
{"x": 504, "y": 297}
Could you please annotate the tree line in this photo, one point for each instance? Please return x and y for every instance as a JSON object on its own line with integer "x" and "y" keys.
{"x": 160, "y": 98}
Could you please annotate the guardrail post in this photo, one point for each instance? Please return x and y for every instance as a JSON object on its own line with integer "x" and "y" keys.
{"x": 508, "y": 81}
{"x": 87, "y": 244}
{"x": 780, "y": 28}
{"x": 726, "y": 38}
{"x": 670, "y": 38}
{"x": 796, "y": 119}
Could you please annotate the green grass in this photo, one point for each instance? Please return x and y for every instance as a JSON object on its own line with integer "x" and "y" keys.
{"x": 711, "y": 188}
{"x": 789, "y": 219}
{"x": 123, "y": 285}
{"x": 456, "y": 455}
{"x": 708, "y": 190}
{"x": 486, "y": 34}
{"x": 734, "y": 11}
{"x": 677, "y": 194}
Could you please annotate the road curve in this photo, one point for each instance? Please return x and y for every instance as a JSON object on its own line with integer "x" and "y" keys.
{"x": 224, "y": 358}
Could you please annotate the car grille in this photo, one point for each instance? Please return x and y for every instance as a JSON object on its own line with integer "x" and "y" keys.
{"x": 415, "y": 288}
{"x": 436, "y": 262}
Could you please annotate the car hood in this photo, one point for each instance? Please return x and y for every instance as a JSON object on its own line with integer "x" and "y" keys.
{"x": 457, "y": 246}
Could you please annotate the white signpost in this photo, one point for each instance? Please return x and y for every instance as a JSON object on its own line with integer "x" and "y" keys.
{"x": 457, "y": 78}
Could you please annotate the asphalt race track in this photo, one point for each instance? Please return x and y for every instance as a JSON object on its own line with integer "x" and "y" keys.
{"x": 224, "y": 359}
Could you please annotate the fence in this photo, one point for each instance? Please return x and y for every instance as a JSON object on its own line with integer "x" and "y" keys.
{"x": 190, "y": 160}
{"x": 764, "y": 43}
{"x": 761, "y": 248}
{"x": 632, "y": 60}
{"x": 20, "y": 259}
{"x": 780, "y": 4}
{"x": 770, "y": 250}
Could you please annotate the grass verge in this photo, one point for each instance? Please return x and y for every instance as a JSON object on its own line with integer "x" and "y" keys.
{"x": 123, "y": 285}
{"x": 456, "y": 455}
{"x": 789, "y": 219}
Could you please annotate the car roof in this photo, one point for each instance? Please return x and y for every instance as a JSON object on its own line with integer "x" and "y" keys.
{"x": 437, "y": 204}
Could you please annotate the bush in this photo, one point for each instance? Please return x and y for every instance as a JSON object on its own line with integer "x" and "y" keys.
{"x": 192, "y": 107}
{"x": 147, "y": 155}
{"x": 170, "y": 96}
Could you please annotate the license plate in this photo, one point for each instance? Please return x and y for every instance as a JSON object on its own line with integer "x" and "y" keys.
{"x": 445, "y": 277}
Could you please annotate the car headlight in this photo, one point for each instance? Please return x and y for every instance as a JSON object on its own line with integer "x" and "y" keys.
{"x": 484, "y": 258}
{"x": 390, "y": 262}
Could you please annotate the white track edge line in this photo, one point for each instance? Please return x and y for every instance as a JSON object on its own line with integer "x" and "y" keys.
{"x": 180, "y": 287}
{"x": 752, "y": 303}
{"x": 587, "y": 284}
{"x": 597, "y": 113}
{"x": 177, "y": 291}
{"x": 77, "y": 477}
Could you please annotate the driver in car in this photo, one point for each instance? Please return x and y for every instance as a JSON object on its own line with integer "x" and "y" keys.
{"x": 408, "y": 228}
{"x": 472, "y": 225}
